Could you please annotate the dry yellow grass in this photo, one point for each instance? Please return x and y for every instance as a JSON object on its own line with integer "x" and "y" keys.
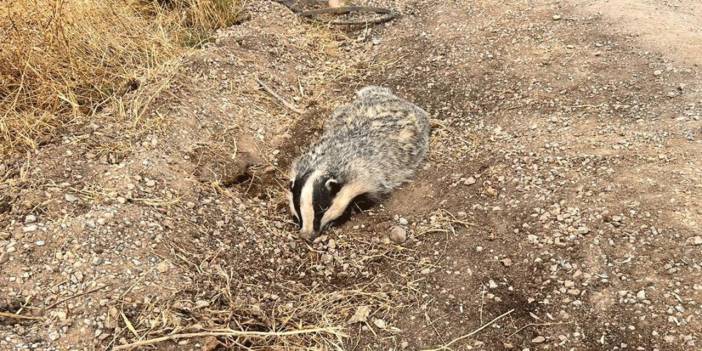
{"x": 62, "y": 60}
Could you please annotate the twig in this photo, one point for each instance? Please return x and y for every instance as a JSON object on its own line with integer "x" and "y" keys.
{"x": 229, "y": 332}
{"x": 17, "y": 316}
{"x": 74, "y": 296}
{"x": 275, "y": 95}
{"x": 445, "y": 347}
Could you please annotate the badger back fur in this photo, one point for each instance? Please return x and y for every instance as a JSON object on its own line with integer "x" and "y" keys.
{"x": 368, "y": 147}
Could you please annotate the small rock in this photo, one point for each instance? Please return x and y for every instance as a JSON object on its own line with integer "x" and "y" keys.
{"x": 398, "y": 234}
{"x": 336, "y": 3}
{"x": 569, "y": 283}
{"x": 150, "y": 183}
{"x": 163, "y": 267}
{"x": 583, "y": 230}
{"x": 40, "y": 242}
{"x": 697, "y": 240}
{"x": 657, "y": 72}
{"x": 70, "y": 198}
{"x": 539, "y": 339}
{"x": 380, "y": 323}
{"x": 30, "y": 219}
{"x": 403, "y": 221}
{"x": 462, "y": 214}
{"x": 361, "y": 315}
{"x": 4, "y": 236}
{"x": 77, "y": 277}
{"x": 190, "y": 204}
{"x": 29, "y": 228}
{"x": 469, "y": 181}
{"x": 556, "y": 17}
{"x": 641, "y": 295}
{"x": 54, "y": 336}
{"x": 506, "y": 262}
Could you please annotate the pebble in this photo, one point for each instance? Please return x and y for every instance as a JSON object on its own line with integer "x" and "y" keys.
{"x": 40, "y": 242}
{"x": 556, "y": 17}
{"x": 403, "y": 221}
{"x": 4, "y": 235}
{"x": 398, "y": 234}
{"x": 163, "y": 267}
{"x": 506, "y": 262}
{"x": 469, "y": 181}
{"x": 30, "y": 219}
{"x": 657, "y": 72}
{"x": 583, "y": 230}
{"x": 77, "y": 277}
{"x": 150, "y": 183}
{"x": 641, "y": 295}
{"x": 70, "y": 198}
{"x": 380, "y": 323}
{"x": 539, "y": 339}
{"x": 697, "y": 240}
{"x": 29, "y": 228}
{"x": 462, "y": 214}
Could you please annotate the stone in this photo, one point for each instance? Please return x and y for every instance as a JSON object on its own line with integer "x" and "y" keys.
{"x": 361, "y": 315}
{"x": 398, "y": 234}
{"x": 539, "y": 339}
{"x": 70, "y": 198}
{"x": 163, "y": 267}
{"x": 380, "y": 323}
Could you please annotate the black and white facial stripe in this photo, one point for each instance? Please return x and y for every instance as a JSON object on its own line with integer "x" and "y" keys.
{"x": 312, "y": 194}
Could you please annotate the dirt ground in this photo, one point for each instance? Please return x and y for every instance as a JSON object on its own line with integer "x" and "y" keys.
{"x": 560, "y": 207}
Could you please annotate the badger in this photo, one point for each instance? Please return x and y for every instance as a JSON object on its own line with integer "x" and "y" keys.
{"x": 368, "y": 148}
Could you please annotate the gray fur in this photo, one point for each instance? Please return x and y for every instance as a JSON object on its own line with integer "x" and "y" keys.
{"x": 379, "y": 139}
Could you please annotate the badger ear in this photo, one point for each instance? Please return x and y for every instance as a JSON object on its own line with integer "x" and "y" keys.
{"x": 333, "y": 185}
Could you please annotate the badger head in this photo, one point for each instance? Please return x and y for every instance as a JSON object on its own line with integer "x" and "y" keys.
{"x": 315, "y": 201}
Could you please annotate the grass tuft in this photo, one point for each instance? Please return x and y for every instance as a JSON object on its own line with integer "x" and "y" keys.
{"x": 65, "y": 60}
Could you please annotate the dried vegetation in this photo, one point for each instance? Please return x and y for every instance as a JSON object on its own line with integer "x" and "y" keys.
{"x": 62, "y": 61}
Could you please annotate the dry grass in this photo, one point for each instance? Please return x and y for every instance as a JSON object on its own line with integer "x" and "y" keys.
{"x": 64, "y": 60}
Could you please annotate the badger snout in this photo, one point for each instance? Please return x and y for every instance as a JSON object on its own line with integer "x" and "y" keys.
{"x": 309, "y": 235}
